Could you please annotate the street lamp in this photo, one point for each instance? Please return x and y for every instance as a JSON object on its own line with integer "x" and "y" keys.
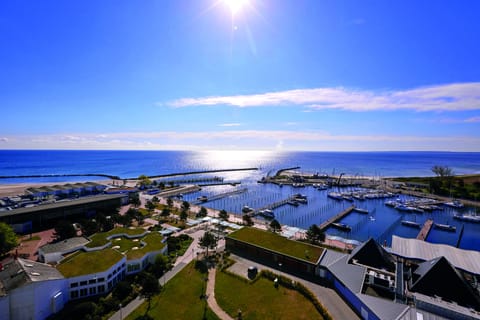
{"x": 121, "y": 315}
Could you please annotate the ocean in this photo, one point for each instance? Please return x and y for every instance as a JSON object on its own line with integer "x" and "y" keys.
{"x": 380, "y": 224}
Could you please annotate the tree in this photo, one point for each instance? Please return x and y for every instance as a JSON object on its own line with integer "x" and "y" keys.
{"x": 275, "y": 225}
{"x": 160, "y": 266}
{"x": 64, "y": 230}
{"x": 223, "y": 215}
{"x": 89, "y": 227}
{"x": 247, "y": 220}
{"x": 208, "y": 241}
{"x": 122, "y": 290}
{"x": 183, "y": 215}
{"x": 202, "y": 212}
{"x": 150, "y": 206}
{"x": 155, "y": 200}
{"x": 315, "y": 234}
{"x": 150, "y": 286}
{"x": 165, "y": 212}
{"x": 144, "y": 181}
{"x": 185, "y": 206}
{"x": 8, "y": 238}
{"x": 169, "y": 202}
{"x": 135, "y": 200}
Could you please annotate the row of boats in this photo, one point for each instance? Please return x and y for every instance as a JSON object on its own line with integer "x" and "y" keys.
{"x": 360, "y": 195}
{"x": 442, "y": 226}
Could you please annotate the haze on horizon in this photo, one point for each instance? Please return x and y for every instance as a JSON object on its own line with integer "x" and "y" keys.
{"x": 263, "y": 74}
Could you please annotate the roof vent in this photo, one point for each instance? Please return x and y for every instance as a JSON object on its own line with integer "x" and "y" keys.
{"x": 28, "y": 265}
{"x": 35, "y": 273}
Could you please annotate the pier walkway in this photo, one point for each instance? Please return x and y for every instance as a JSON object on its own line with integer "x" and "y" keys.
{"x": 333, "y": 219}
{"x": 274, "y": 205}
{"x": 220, "y": 196}
{"x": 427, "y": 226}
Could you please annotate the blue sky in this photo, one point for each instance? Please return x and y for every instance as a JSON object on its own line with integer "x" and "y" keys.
{"x": 276, "y": 75}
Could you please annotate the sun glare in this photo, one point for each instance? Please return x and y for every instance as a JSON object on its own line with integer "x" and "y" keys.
{"x": 235, "y": 6}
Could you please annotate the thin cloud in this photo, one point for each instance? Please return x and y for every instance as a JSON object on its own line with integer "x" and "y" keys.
{"x": 449, "y": 97}
{"x": 230, "y": 125}
{"x": 3, "y": 139}
{"x": 247, "y": 139}
{"x": 472, "y": 120}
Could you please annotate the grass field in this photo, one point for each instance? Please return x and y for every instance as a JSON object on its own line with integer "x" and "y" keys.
{"x": 275, "y": 242}
{"x": 179, "y": 299}
{"x": 261, "y": 300}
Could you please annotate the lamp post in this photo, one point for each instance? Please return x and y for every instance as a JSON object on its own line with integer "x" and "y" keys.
{"x": 121, "y": 315}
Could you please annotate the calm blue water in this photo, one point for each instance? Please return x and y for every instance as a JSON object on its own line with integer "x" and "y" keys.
{"x": 385, "y": 221}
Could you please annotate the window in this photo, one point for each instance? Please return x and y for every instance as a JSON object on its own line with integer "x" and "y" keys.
{"x": 110, "y": 285}
{"x": 74, "y": 294}
{"x": 83, "y": 292}
{"x": 91, "y": 281}
{"x": 83, "y": 283}
{"x": 101, "y": 289}
{"x": 100, "y": 279}
{"x": 73, "y": 284}
{"x": 93, "y": 290}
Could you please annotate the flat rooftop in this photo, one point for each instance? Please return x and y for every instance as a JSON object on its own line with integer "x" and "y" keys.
{"x": 61, "y": 204}
{"x": 275, "y": 242}
{"x": 81, "y": 263}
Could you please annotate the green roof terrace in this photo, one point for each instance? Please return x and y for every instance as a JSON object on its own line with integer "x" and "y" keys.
{"x": 100, "y": 239}
{"x": 277, "y": 243}
{"x": 81, "y": 263}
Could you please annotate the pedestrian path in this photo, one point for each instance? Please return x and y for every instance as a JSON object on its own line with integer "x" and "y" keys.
{"x": 180, "y": 263}
{"x": 212, "y": 302}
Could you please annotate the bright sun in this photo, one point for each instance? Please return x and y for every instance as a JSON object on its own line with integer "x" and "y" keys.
{"x": 235, "y": 5}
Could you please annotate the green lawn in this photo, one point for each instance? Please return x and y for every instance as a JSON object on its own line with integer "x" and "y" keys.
{"x": 179, "y": 299}
{"x": 81, "y": 263}
{"x": 275, "y": 242}
{"x": 261, "y": 300}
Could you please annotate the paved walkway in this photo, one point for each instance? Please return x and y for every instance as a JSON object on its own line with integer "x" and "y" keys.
{"x": 212, "y": 302}
{"x": 180, "y": 263}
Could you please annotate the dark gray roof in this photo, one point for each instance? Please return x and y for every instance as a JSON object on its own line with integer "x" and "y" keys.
{"x": 330, "y": 257}
{"x": 65, "y": 245}
{"x": 371, "y": 254}
{"x": 20, "y": 272}
{"x": 62, "y": 204}
{"x": 383, "y": 308}
{"x": 350, "y": 275}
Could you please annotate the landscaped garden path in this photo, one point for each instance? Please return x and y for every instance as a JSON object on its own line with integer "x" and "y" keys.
{"x": 210, "y": 292}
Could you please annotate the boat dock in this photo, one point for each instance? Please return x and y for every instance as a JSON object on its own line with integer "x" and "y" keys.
{"x": 232, "y": 183}
{"x": 274, "y": 205}
{"x": 334, "y": 219}
{"x": 220, "y": 196}
{"x": 427, "y": 226}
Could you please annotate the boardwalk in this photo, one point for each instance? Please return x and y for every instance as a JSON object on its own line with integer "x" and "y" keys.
{"x": 275, "y": 204}
{"x": 220, "y": 196}
{"x": 422, "y": 235}
{"x": 339, "y": 216}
